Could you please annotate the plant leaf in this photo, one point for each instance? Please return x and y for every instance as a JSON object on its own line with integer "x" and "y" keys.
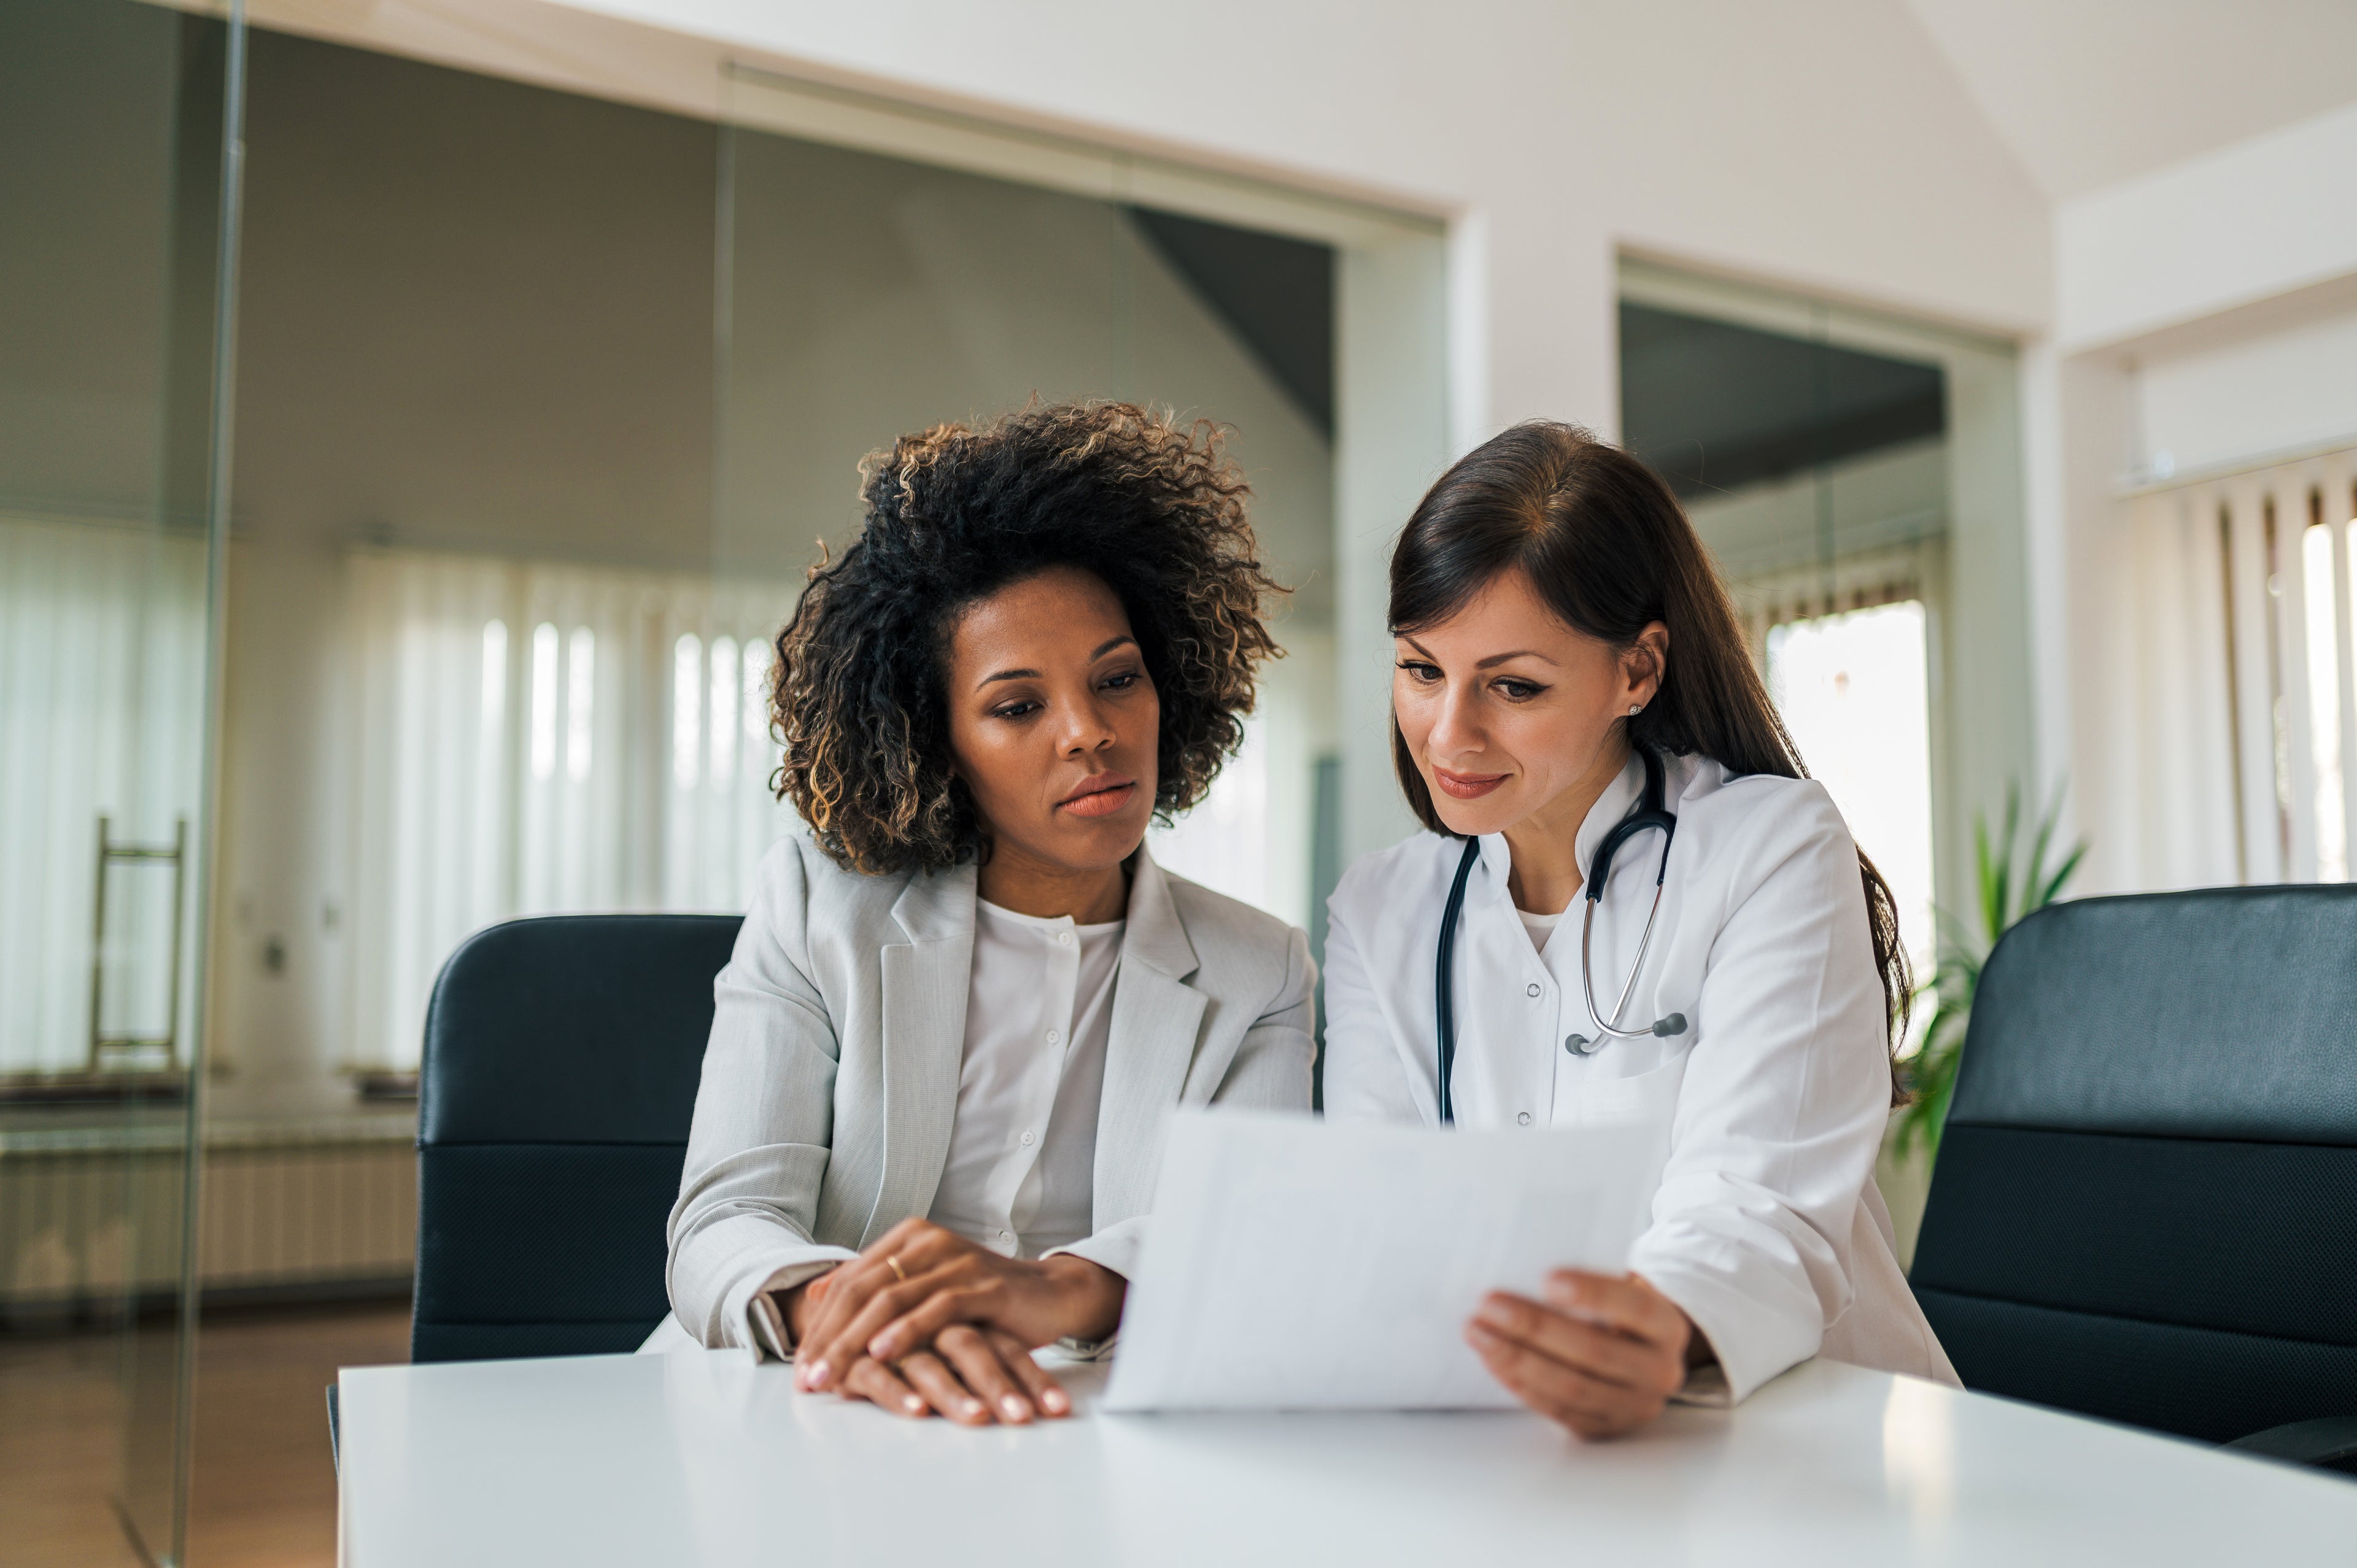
{"x": 2001, "y": 905}
{"x": 2047, "y": 894}
{"x": 2034, "y": 876}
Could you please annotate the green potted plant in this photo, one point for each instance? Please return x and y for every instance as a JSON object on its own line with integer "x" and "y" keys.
{"x": 2003, "y": 898}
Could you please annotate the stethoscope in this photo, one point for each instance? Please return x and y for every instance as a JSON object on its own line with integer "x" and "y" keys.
{"x": 1650, "y": 813}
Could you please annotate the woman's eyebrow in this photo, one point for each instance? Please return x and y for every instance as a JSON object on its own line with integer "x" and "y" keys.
{"x": 1102, "y": 649}
{"x": 1484, "y": 664}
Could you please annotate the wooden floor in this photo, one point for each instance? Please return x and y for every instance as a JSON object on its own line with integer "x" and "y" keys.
{"x": 263, "y": 1494}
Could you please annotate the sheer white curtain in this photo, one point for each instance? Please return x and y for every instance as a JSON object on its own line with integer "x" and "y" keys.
{"x": 540, "y": 737}
{"x": 101, "y": 715}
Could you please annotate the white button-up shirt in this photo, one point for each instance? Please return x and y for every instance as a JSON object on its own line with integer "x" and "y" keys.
{"x": 1022, "y": 1167}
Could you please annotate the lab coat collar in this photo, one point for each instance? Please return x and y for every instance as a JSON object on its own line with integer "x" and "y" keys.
{"x": 1618, "y": 798}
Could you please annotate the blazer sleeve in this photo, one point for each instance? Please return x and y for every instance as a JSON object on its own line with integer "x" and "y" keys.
{"x": 757, "y": 1148}
{"x": 1780, "y": 1114}
{"x": 1270, "y": 1071}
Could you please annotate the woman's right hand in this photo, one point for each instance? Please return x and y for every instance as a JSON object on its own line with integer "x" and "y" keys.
{"x": 971, "y": 1374}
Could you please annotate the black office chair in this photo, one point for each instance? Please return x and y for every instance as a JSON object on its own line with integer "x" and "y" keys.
{"x": 561, "y": 1057}
{"x": 2145, "y": 1207}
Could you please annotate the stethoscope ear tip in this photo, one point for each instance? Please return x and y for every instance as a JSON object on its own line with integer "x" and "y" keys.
{"x": 1675, "y": 1024}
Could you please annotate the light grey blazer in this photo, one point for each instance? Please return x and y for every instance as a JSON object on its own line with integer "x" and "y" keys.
{"x": 838, "y": 1033}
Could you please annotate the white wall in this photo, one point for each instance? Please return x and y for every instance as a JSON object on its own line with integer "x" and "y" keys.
{"x": 2250, "y": 223}
{"x": 2254, "y": 393}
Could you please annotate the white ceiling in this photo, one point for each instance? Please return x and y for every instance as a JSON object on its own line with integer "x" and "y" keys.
{"x": 2088, "y": 92}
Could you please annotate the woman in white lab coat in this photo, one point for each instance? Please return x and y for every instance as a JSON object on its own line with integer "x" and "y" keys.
{"x": 1555, "y": 619}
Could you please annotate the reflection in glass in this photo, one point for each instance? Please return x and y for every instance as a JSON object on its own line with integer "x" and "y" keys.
{"x": 117, "y": 119}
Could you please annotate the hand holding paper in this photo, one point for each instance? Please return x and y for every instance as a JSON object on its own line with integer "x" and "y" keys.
{"x": 1309, "y": 1266}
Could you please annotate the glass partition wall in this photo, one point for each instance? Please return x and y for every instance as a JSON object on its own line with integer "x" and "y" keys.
{"x": 543, "y": 405}
{"x": 116, "y": 123}
{"x": 546, "y": 405}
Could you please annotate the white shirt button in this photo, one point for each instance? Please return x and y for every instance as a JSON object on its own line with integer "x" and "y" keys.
{"x": 1533, "y": 990}
{"x": 1028, "y": 1139}
{"x": 1055, "y": 1037}
{"x": 1522, "y": 1118}
{"x": 1063, "y": 938}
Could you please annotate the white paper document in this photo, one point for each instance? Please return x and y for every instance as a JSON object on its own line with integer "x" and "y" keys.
{"x": 1297, "y": 1264}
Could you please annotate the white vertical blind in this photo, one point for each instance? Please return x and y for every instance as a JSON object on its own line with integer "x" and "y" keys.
{"x": 2244, "y": 700}
{"x": 2176, "y": 724}
{"x": 541, "y": 738}
{"x": 2251, "y": 647}
{"x": 102, "y": 714}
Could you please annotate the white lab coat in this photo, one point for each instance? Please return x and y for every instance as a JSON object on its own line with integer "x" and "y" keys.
{"x": 1766, "y": 1225}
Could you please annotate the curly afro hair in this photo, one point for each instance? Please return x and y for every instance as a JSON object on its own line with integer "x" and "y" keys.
{"x": 1153, "y": 508}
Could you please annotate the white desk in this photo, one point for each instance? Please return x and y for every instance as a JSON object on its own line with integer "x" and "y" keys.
{"x": 705, "y": 1458}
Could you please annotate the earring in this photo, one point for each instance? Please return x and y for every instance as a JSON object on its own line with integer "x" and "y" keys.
{"x": 1635, "y": 709}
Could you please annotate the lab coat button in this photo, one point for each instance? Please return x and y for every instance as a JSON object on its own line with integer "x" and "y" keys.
{"x": 1522, "y": 1118}
{"x": 1533, "y": 990}
{"x": 1028, "y": 1139}
{"x": 1055, "y": 1037}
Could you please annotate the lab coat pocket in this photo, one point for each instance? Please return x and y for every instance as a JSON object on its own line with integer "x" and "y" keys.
{"x": 1647, "y": 1099}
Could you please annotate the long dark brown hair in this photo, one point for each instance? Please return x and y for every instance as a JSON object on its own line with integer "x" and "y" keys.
{"x": 1605, "y": 545}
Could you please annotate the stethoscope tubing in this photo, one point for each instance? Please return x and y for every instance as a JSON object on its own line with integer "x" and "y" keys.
{"x": 1444, "y": 981}
{"x": 1609, "y": 1024}
{"x": 1652, "y": 812}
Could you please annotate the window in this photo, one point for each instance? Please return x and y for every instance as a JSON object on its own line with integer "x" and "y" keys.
{"x": 1852, "y": 689}
{"x": 545, "y": 739}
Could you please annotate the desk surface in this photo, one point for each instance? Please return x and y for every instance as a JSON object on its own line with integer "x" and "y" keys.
{"x": 706, "y": 1458}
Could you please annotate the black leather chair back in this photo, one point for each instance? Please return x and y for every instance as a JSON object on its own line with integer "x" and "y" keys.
{"x": 561, "y": 1057}
{"x": 2145, "y": 1207}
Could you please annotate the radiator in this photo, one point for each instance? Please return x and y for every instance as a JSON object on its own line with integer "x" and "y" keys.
{"x": 90, "y": 1215}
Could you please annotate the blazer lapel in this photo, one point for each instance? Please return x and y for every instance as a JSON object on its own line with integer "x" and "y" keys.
{"x": 1156, "y": 1020}
{"x": 926, "y": 982}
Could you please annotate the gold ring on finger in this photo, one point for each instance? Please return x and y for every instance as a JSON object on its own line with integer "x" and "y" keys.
{"x": 898, "y": 1272}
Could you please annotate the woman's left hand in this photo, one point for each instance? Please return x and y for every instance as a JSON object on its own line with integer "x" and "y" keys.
{"x": 918, "y": 1281}
{"x": 1603, "y": 1354}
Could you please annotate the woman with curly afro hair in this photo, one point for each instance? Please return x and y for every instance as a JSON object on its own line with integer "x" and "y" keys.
{"x": 965, "y": 1000}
